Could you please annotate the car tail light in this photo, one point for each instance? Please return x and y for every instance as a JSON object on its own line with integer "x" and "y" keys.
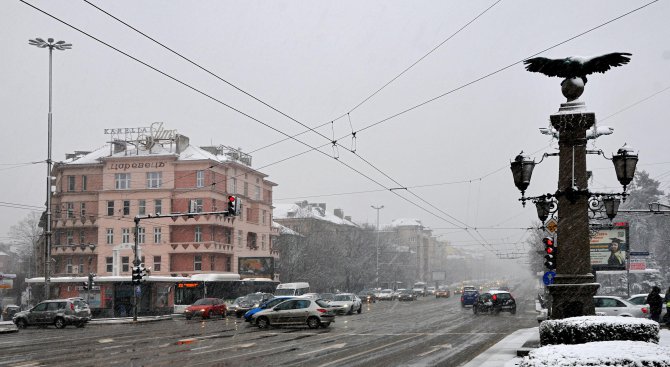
{"x": 72, "y": 306}
{"x": 495, "y": 297}
{"x": 321, "y": 310}
{"x": 644, "y": 310}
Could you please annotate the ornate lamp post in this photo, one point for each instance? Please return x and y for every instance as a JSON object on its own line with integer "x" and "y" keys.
{"x": 574, "y": 284}
{"x": 62, "y": 46}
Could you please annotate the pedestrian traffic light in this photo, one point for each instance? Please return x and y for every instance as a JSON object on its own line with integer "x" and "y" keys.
{"x": 549, "y": 253}
{"x": 137, "y": 275}
{"x": 85, "y": 286}
{"x": 233, "y": 205}
{"x": 143, "y": 273}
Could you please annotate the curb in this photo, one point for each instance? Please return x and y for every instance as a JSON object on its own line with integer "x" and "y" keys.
{"x": 7, "y": 330}
{"x": 128, "y": 320}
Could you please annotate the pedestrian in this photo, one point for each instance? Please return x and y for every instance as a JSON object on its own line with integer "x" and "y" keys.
{"x": 655, "y": 303}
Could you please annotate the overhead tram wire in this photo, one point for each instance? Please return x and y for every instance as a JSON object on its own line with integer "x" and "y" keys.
{"x": 226, "y": 105}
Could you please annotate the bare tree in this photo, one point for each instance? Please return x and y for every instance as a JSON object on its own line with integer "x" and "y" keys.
{"x": 25, "y": 235}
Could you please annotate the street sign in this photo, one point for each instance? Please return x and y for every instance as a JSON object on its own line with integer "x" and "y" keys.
{"x": 639, "y": 253}
{"x": 552, "y": 225}
{"x": 548, "y": 277}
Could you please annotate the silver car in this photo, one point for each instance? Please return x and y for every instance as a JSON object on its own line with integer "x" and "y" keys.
{"x": 617, "y": 306}
{"x": 297, "y": 311}
{"x": 57, "y": 312}
{"x": 346, "y": 303}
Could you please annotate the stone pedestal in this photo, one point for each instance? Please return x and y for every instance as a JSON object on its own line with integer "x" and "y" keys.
{"x": 574, "y": 286}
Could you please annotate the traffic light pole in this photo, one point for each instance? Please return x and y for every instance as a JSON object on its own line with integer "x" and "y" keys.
{"x": 234, "y": 210}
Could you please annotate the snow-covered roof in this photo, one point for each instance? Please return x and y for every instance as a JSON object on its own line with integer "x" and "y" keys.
{"x": 290, "y": 211}
{"x": 284, "y": 229}
{"x": 191, "y": 152}
{"x": 406, "y": 222}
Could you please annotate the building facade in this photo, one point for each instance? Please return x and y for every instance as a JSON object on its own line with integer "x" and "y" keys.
{"x": 146, "y": 171}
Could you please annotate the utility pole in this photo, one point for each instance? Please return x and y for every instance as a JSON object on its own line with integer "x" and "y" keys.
{"x": 60, "y": 45}
{"x": 377, "y": 208}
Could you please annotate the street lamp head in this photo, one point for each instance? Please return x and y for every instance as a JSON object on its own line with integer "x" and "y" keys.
{"x": 49, "y": 43}
{"x": 543, "y": 207}
{"x": 522, "y": 170}
{"x": 611, "y": 204}
{"x": 624, "y": 165}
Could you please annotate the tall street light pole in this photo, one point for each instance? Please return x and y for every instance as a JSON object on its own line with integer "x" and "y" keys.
{"x": 377, "y": 208}
{"x": 62, "y": 46}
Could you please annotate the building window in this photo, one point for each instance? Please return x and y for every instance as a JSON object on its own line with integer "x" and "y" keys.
{"x": 70, "y": 183}
{"x": 196, "y": 206}
{"x": 141, "y": 207}
{"x": 199, "y": 178}
{"x": 158, "y": 206}
{"x": 70, "y": 210}
{"x": 157, "y": 234}
{"x": 246, "y": 188}
{"x": 84, "y": 183}
{"x": 141, "y": 235}
{"x": 198, "y": 234}
{"x": 154, "y": 180}
{"x": 157, "y": 263}
{"x": 82, "y": 236}
{"x": 68, "y": 265}
{"x": 262, "y": 242}
{"x": 109, "y": 262}
{"x": 197, "y": 262}
{"x": 110, "y": 208}
{"x": 212, "y": 262}
{"x": 239, "y": 238}
{"x": 257, "y": 192}
{"x": 70, "y": 236}
{"x": 232, "y": 185}
{"x": 125, "y": 235}
{"x": 228, "y": 265}
{"x": 125, "y": 260}
{"x": 110, "y": 236}
{"x": 248, "y": 214}
{"x": 263, "y": 216}
{"x": 122, "y": 181}
{"x": 228, "y": 235}
{"x": 126, "y": 207}
{"x": 82, "y": 209}
{"x": 81, "y": 265}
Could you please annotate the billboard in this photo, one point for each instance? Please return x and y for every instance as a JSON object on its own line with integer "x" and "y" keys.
{"x": 609, "y": 247}
{"x": 256, "y": 267}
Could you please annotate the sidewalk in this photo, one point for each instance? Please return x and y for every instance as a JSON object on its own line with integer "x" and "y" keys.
{"x": 504, "y": 354}
{"x": 9, "y": 327}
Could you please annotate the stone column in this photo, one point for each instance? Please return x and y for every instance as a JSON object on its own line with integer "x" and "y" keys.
{"x": 574, "y": 286}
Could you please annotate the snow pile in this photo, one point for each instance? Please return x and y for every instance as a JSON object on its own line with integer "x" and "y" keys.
{"x": 609, "y": 353}
{"x": 584, "y": 329}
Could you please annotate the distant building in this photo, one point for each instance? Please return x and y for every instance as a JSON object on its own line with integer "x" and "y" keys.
{"x": 156, "y": 171}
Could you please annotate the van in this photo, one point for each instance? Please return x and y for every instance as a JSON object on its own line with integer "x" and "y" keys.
{"x": 292, "y": 289}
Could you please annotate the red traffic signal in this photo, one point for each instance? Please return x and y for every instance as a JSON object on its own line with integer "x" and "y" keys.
{"x": 233, "y": 205}
{"x": 549, "y": 253}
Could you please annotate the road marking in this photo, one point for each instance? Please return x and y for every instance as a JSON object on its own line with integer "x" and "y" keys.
{"x": 435, "y": 349}
{"x": 334, "y": 346}
{"x": 103, "y": 341}
{"x": 366, "y": 351}
{"x": 240, "y": 346}
{"x": 186, "y": 341}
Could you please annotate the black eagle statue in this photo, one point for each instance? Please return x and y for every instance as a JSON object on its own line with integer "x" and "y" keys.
{"x": 574, "y": 68}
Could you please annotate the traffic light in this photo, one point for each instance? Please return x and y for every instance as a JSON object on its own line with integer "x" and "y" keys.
{"x": 90, "y": 283}
{"x": 137, "y": 275}
{"x": 233, "y": 205}
{"x": 143, "y": 273}
{"x": 549, "y": 253}
{"x": 85, "y": 286}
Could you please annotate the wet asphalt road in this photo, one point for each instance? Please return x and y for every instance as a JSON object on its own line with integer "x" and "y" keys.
{"x": 426, "y": 332}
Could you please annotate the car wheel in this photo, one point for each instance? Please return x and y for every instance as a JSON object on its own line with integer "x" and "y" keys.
{"x": 360, "y": 309}
{"x": 21, "y": 323}
{"x": 263, "y": 323}
{"x": 351, "y": 311}
{"x": 80, "y": 324}
{"x": 513, "y": 311}
{"x": 474, "y": 310}
{"x": 313, "y": 322}
{"x": 496, "y": 311}
{"x": 325, "y": 324}
{"x": 188, "y": 317}
{"x": 205, "y": 316}
{"x": 59, "y": 323}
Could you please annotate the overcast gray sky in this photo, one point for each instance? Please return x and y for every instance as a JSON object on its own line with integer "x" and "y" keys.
{"x": 318, "y": 60}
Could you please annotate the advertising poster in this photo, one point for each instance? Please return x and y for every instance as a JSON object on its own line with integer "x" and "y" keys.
{"x": 256, "y": 267}
{"x": 609, "y": 248}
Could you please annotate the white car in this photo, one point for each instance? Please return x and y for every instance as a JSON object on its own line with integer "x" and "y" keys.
{"x": 385, "y": 295}
{"x": 617, "y": 306}
{"x": 346, "y": 303}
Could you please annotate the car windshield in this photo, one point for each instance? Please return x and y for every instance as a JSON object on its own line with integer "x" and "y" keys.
{"x": 205, "y": 301}
{"x": 406, "y": 291}
{"x": 273, "y": 302}
{"x": 255, "y": 297}
{"x": 470, "y": 292}
{"x": 342, "y": 297}
{"x": 387, "y": 291}
{"x": 239, "y": 300}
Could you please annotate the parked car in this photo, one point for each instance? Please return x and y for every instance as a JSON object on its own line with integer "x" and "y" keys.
{"x": 297, "y": 311}
{"x": 243, "y": 304}
{"x": 57, "y": 312}
{"x": 346, "y": 303}
{"x": 327, "y": 296}
{"x": 265, "y": 305}
{"x": 386, "y": 295}
{"x": 641, "y": 299}
{"x": 469, "y": 297}
{"x": 617, "y": 306}
{"x": 442, "y": 292}
{"x": 494, "y": 302}
{"x": 206, "y": 308}
{"x": 367, "y": 296}
{"x": 9, "y": 311}
{"x": 407, "y": 295}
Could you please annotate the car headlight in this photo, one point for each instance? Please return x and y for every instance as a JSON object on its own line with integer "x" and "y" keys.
{"x": 203, "y": 310}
